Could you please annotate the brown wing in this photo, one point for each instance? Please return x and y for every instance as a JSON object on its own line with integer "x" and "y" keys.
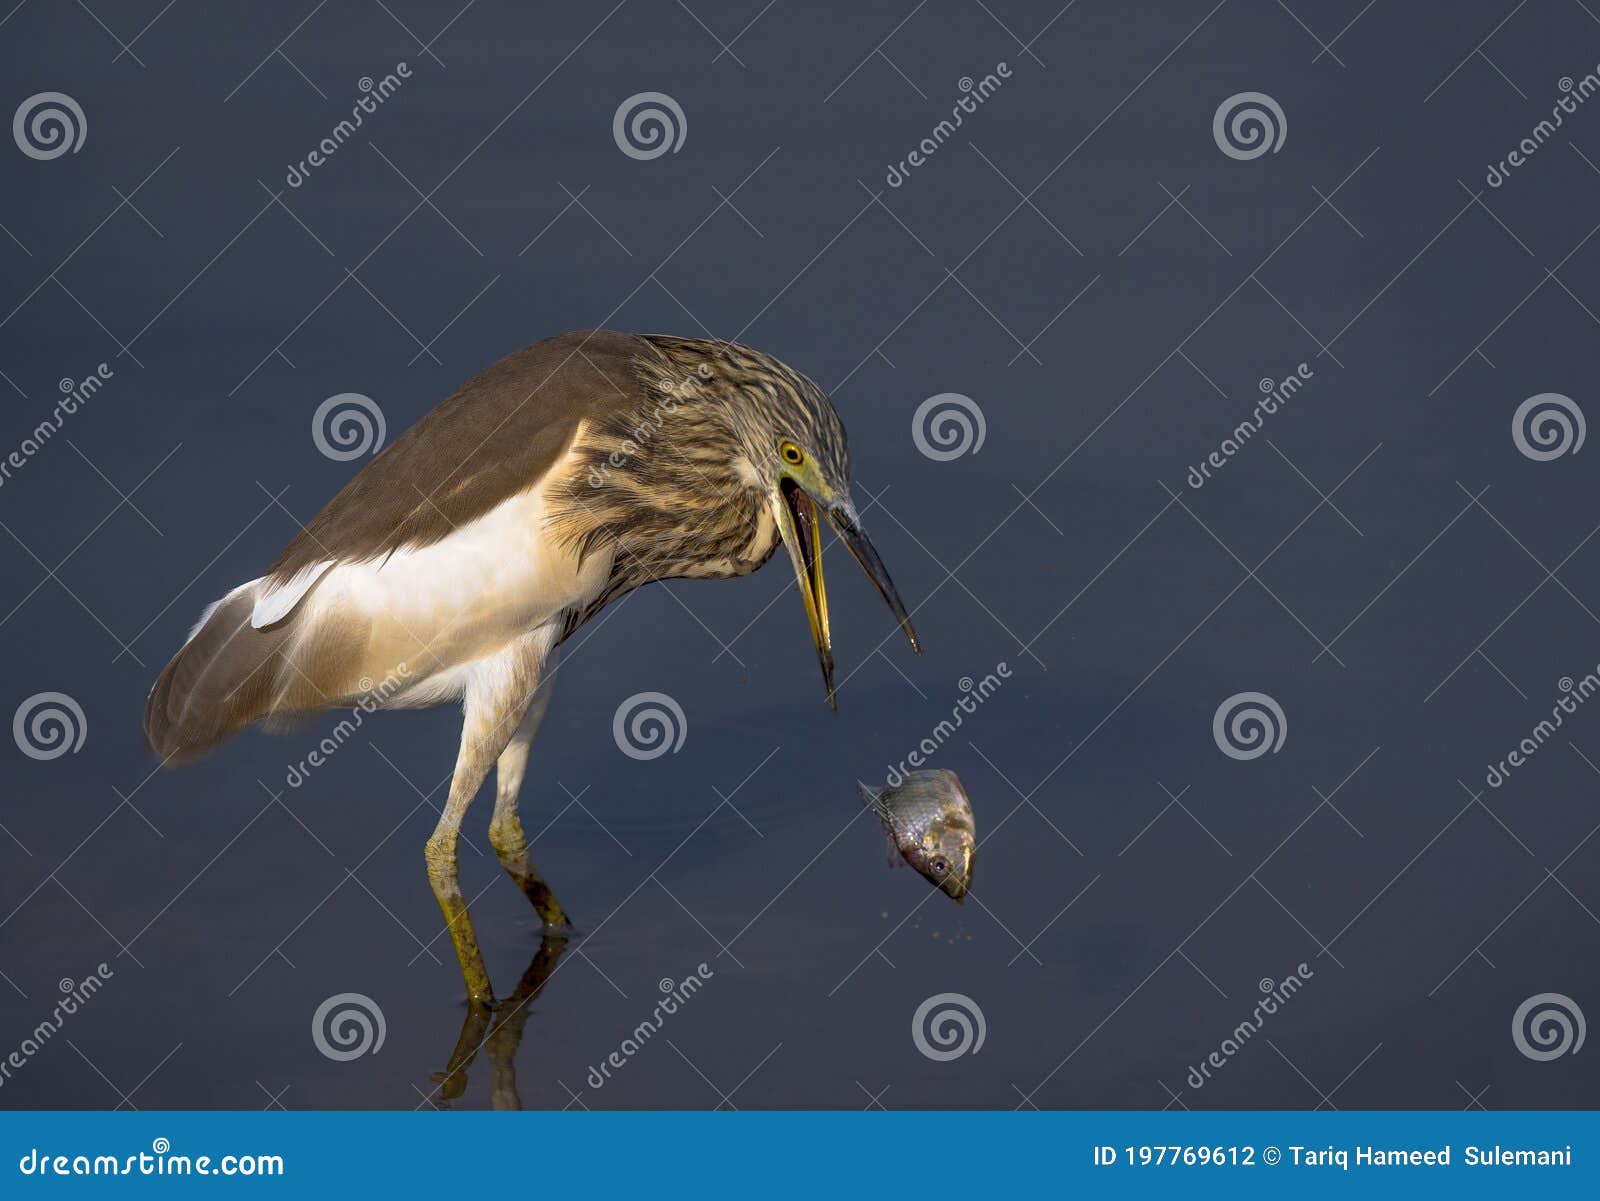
{"x": 496, "y": 435}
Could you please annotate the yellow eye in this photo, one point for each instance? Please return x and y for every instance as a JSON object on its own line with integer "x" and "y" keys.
{"x": 792, "y": 454}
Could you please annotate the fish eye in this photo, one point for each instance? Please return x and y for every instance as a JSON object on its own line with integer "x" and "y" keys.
{"x": 791, "y": 454}
{"x": 940, "y": 866}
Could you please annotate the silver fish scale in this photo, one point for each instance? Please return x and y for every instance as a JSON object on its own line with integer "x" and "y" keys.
{"x": 907, "y": 810}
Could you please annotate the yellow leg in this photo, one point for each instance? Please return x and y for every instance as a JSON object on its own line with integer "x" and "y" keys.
{"x": 505, "y": 829}
{"x": 446, "y": 881}
{"x": 506, "y": 1034}
{"x": 511, "y": 845}
{"x": 497, "y": 697}
{"x": 503, "y": 1029}
{"x": 452, "y": 1081}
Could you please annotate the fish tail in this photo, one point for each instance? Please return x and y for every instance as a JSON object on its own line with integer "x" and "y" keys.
{"x": 872, "y": 798}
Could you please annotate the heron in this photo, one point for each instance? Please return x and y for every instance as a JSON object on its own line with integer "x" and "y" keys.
{"x": 457, "y": 561}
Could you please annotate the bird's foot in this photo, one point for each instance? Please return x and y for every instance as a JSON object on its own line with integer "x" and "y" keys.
{"x": 559, "y": 926}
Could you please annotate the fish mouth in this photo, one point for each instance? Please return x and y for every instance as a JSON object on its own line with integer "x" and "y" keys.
{"x": 955, "y": 881}
{"x": 799, "y": 521}
{"x": 956, "y": 884}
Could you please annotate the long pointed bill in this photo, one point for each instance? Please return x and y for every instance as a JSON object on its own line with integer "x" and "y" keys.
{"x": 856, "y": 539}
{"x": 800, "y": 525}
{"x": 801, "y": 529}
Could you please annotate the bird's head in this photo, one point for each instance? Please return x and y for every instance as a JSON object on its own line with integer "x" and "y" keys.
{"x": 780, "y": 442}
{"x": 804, "y": 469}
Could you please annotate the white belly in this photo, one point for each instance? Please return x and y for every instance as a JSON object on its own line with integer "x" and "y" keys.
{"x": 437, "y": 609}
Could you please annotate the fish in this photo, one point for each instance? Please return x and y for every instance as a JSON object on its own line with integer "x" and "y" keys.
{"x": 928, "y": 819}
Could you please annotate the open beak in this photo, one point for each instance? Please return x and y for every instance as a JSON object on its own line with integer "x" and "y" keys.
{"x": 861, "y": 547}
{"x": 800, "y": 525}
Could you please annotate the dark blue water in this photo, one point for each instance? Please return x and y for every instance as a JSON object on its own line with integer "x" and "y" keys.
{"x": 1379, "y": 558}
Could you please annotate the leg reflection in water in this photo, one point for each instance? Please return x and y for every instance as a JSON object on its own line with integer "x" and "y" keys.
{"x": 498, "y": 1031}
